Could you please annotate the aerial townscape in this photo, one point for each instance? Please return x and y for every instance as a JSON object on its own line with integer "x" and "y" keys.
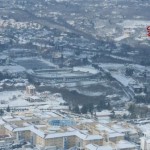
{"x": 74, "y": 75}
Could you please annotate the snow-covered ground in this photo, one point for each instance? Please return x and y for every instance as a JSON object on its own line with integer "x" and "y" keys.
{"x": 118, "y": 72}
{"x": 121, "y": 58}
{"x": 86, "y": 69}
{"x": 111, "y": 66}
{"x": 145, "y": 127}
{"x": 17, "y": 99}
{"x": 88, "y": 93}
{"x": 12, "y": 69}
{"x": 12, "y": 98}
{"x": 123, "y": 79}
{"x": 135, "y": 24}
{"x": 121, "y": 38}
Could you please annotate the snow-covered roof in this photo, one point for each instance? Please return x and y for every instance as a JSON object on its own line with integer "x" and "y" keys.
{"x": 125, "y": 145}
{"x": 124, "y": 112}
{"x": 104, "y": 113}
{"x": 120, "y": 129}
{"x": 31, "y": 87}
{"x": 1, "y": 122}
{"x": 104, "y": 128}
{"x": 115, "y": 134}
{"x": 87, "y": 69}
{"x": 34, "y": 97}
{"x": 56, "y": 135}
{"x": 9, "y": 127}
{"x": 96, "y": 147}
{"x": 12, "y": 119}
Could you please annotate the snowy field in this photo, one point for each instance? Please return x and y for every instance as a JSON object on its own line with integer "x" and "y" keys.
{"x": 12, "y": 98}
{"x": 17, "y": 99}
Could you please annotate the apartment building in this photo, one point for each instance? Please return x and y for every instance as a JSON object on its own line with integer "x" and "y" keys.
{"x": 36, "y": 129}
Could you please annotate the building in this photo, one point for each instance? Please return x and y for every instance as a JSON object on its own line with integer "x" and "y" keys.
{"x": 145, "y": 141}
{"x": 121, "y": 145}
{"x": 65, "y": 75}
{"x": 50, "y": 130}
{"x": 30, "y": 90}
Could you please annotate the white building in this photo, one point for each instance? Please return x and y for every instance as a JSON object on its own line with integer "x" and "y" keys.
{"x": 145, "y": 141}
{"x": 30, "y": 90}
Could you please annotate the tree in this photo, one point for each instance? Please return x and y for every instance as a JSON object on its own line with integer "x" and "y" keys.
{"x": 8, "y": 109}
{"x": 129, "y": 71}
{"x": 108, "y": 106}
{"x": 131, "y": 108}
{"x": 125, "y": 116}
{"x": 84, "y": 109}
{"x": 69, "y": 107}
{"x": 76, "y": 109}
{"x": 113, "y": 114}
{"x": 101, "y": 105}
{"x": 133, "y": 115}
{"x": 85, "y": 61}
{"x": 1, "y": 112}
{"x": 90, "y": 108}
{"x": 141, "y": 99}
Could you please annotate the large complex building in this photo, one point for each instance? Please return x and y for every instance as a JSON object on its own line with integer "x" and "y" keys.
{"x": 34, "y": 128}
{"x": 65, "y": 75}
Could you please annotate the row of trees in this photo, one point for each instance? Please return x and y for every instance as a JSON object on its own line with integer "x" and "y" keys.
{"x": 138, "y": 111}
{"x": 2, "y": 111}
{"x": 5, "y": 75}
{"x": 143, "y": 99}
{"x": 91, "y": 107}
